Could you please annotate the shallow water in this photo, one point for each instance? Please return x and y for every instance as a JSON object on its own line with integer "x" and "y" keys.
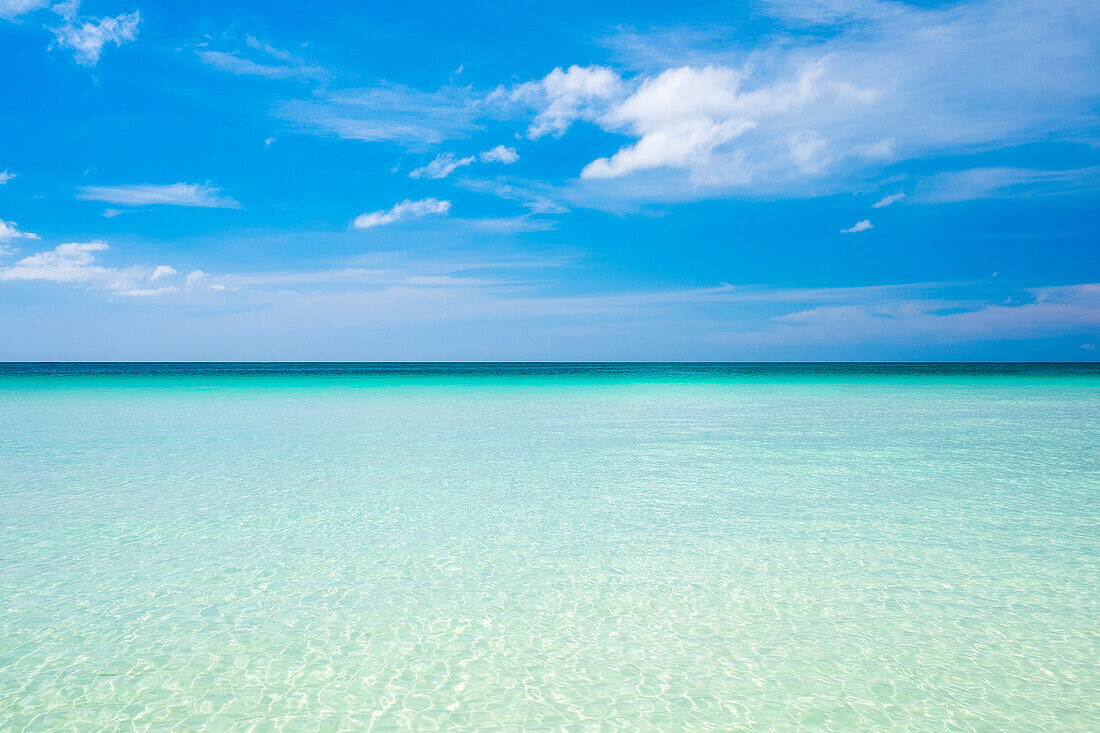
{"x": 765, "y": 547}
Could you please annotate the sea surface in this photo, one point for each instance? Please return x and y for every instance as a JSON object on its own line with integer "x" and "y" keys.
{"x": 550, "y": 547}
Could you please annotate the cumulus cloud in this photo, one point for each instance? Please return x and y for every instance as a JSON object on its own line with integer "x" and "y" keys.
{"x": 162, "y": 271}
{"x": 499, "y": 154}
{"x": 176, "y": 194}
{"x": 564, "y": 96}
{"x": 859, "y": 226}
{"x": 5, "y": 176}
{"x": 87, "y": 39}
{"x": 195, "y": 277}
{"x": 887, "y": 200}
{"x": 71, "y": 262}
{"x": 9, "y": 230}
{"x": 405, "y": 210}
{"x": 10, "y": 9}
{"x": 688, "y": 118}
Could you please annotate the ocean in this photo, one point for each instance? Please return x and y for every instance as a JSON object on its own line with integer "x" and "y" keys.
{"x": 549, "y": 547}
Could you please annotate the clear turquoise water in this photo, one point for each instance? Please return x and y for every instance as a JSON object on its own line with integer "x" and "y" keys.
{"x": 283, "y": 547}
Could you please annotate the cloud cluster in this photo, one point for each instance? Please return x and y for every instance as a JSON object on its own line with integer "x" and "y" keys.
{"x": 404, "y": 210}
{"x": 5, "y": 176}
{"x": 818, "y": 112}
{"x": 75, "y": 262}
{"x": 87, "y": 39}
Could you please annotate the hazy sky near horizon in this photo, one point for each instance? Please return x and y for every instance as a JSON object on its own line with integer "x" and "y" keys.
{"x": 579, "y": 181}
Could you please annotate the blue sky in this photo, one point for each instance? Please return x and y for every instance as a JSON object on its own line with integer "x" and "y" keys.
{"x": 459, "y": 181}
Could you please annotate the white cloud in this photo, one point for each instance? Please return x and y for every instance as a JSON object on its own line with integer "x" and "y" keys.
{"x": 74, "y": 262}
{"x": 887, "y": 200}
{"x": 859, "y": 226}
{"x": 499, "y": 154}
{"x": 11, "y": 8}
{"x": 5, "y": 176}
{"x": 195, "y": 277}
{"x": 689, "y": 118}
{"x": 561, "y": 97}
{"x": 405, "y": 210}
{"x": 9, "y": 230}
{"x": 88, "y": 39}
{"x": 162, "y": 271}
{"x": 176, "y": 194}
{"x": 443, "y": 165}
{"x": 71, "y": 262}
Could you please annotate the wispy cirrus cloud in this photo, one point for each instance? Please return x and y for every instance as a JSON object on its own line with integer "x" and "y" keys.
{"x": 404, "y": 210}
{"x": 10, "y": 9}
{"x": 860, "y": 226}
{"x": 768, "y": 319}
{"x": 442, "y": 166}
{"x": 887, "y": 200}
{"x": 175, "y": 194}
{"x": 981, "y": 183}
{"x": 387, "y": 113}
{"x": 1041, "y": 312}
{"x": 266, "y": 60}
{"x": 446, "y": 163}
